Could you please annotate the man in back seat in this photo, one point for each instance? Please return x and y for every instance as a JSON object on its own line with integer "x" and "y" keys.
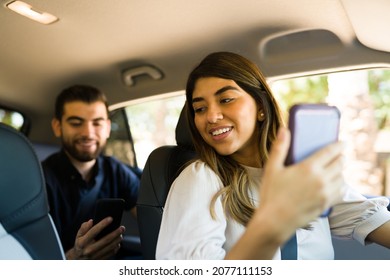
{"x": 78, "y": 175}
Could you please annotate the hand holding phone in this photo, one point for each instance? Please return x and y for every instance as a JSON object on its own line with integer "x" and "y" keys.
{"x": 312, "y": 127}
{"x": 112, "y": 207}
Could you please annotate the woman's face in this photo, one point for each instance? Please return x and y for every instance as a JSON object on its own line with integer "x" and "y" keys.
{"x": 226, "y": 118}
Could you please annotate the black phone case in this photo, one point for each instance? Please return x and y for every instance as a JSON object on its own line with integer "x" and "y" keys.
{"x": 109, "y": 207}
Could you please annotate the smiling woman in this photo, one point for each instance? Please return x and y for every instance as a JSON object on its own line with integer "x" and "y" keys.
{"x": 226, "y": 117}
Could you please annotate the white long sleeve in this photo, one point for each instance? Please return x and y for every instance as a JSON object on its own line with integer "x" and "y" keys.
{"x": 189, "y": 232}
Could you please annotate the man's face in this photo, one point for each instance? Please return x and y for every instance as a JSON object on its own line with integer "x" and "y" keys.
{"x": 83, "y": 129}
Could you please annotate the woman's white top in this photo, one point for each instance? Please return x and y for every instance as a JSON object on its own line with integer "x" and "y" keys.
{"x": 189, "y": 232}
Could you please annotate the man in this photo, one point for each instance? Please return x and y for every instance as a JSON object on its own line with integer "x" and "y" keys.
{"x": 78, "y": 175}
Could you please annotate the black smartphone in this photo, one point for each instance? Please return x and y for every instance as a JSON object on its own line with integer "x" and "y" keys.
{"x": 312, "y": 127}
{"x": 112, "y": 207}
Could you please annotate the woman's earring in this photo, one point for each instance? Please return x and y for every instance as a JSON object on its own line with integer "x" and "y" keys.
{"x": 260, "y": 116}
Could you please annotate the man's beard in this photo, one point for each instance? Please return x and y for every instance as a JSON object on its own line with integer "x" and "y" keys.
{"x": 82, "y": 156}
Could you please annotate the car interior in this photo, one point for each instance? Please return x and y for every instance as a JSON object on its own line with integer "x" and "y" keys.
{"x": 139, "y": 53}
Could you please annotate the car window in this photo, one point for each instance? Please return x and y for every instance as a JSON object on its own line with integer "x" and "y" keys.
{"x": 120, "y": 143}
{"x": 363, "y": 98}
{"x": 152, "y": 124}
{"x": 13, "y": 118}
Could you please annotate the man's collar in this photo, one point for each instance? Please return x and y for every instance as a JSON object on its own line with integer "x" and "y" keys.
{"x": 71, "y": 170}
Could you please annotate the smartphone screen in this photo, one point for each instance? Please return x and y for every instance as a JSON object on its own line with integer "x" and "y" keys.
{"x": 312, "y": 127}
{"x": 112, "y": 207}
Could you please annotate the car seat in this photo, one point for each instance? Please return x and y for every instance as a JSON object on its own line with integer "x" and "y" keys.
{"x": 26, "y": 228}
{"x": 162, "y": 167}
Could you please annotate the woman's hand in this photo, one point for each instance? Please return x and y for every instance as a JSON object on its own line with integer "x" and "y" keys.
{"x": 299, "y": 193}
{"x": 290, "y": 198}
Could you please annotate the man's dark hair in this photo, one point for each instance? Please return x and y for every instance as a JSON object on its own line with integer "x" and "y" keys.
{"x": 83, "y": 93}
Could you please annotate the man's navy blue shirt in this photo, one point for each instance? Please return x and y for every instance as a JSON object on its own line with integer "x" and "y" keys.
{"x": 69, "y": 195}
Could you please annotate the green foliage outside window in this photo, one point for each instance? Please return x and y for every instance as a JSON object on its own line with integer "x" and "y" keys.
{"x": 379, "y": 84}
{"x": 314, "y": 89}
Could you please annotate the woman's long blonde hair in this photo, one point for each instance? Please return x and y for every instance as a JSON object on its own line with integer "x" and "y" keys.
{"x": 236, "y": 193}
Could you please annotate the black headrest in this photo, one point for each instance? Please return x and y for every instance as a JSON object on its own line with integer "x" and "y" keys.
{"x": 24, "y": 211}
{"x": 183, "y": 134}
{"x": 23, "y": 195}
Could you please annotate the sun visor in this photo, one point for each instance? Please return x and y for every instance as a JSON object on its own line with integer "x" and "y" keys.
{"x": 293, "y": 47}
{"x": 368, "y": 19}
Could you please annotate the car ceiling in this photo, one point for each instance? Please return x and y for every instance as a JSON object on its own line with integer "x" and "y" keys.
{"x": 95, "y": 41}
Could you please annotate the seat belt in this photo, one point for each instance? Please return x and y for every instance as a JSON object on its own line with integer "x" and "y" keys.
{"x": 289, "y": 250}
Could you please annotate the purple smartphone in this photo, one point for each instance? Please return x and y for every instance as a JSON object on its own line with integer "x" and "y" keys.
{"x": 312, "y": 127}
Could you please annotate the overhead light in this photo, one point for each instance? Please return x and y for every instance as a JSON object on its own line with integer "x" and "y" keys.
{"x": 27, "y": 10}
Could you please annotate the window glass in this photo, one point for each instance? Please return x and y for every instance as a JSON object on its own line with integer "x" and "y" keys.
{"x": 363, "y": 98}
{"x": 152, "y": 124}
{"x": 12, "y": 118}
{"x": 120, "y": 144}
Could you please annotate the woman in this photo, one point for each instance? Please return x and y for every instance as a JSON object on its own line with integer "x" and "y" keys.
{"x": 239, "y": 201}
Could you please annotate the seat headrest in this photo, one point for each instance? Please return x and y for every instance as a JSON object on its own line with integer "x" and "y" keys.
{"x": 183, "y": 134}
{"x": 27, "y": 229}
{"x": 21, "y": 180}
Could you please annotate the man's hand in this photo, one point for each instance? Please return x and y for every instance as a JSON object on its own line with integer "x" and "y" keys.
{"x": 86, "y": 247}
